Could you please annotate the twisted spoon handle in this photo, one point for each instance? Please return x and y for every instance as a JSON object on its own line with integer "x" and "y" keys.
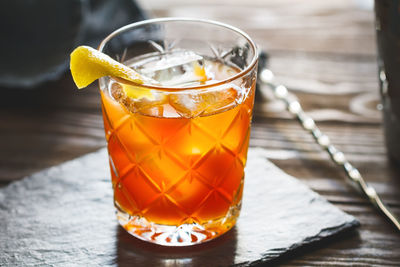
{"x": 294, "y": 107}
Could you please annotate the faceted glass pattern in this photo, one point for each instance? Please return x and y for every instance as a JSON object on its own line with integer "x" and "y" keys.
{"x": 177, "y": 181}
{"x": 178, "y": 143}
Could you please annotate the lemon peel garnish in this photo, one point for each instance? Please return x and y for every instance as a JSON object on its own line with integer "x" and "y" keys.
{"x": 136, "y": 92}
{"x": 88, "y": 64}
{"x": 200, "y": 72}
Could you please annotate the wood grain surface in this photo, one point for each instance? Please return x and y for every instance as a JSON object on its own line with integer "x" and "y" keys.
{"x": 324, "y": 51}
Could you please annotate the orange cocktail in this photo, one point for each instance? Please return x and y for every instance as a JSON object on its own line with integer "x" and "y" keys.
{"x": 178, "y": 146}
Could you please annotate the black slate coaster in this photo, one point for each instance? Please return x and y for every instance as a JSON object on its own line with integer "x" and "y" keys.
{"x": 64, "y": 216}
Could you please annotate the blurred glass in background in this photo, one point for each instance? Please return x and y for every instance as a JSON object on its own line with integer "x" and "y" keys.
{"x": 387, "y": 23}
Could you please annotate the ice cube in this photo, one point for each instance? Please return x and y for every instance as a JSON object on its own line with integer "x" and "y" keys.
{"x": 175, "y": 68}
{"x": 193, "y": 103}
{"x": 187, "y": 105}
{"x": 149, "y": 103}
{"x": 118, "y": 94}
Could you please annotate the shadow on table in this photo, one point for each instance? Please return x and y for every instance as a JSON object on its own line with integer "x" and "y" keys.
{"x": 134, "y": 252}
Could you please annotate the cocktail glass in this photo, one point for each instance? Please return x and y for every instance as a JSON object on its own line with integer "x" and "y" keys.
{"x": 178, "y": 143}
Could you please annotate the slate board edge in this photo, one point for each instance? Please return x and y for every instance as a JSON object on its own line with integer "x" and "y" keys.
{"x": 261, "y": 153}
{"x": 327, "y": 232}
{"x": 322, "y": 235}
{"x": 282, "y": 253}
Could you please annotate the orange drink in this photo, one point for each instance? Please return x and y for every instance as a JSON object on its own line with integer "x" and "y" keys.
{"x": 178, "y": 143}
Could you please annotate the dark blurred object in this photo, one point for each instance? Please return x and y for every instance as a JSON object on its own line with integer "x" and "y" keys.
{"x": 37, "y": 36}
{"x": 388, "y": 38}
{"x": 263, "y": 58}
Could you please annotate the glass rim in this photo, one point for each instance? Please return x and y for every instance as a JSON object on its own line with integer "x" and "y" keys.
{"x": 242, "y": 73}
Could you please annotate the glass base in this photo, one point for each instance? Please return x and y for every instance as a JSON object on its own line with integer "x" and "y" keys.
{"x": 182, "y": 235}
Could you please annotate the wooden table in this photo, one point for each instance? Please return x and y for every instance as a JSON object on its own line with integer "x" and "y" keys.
{"x": 324, "y": 51}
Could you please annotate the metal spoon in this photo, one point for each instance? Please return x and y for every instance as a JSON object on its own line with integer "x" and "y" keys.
{"x": 294, "y": 107}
